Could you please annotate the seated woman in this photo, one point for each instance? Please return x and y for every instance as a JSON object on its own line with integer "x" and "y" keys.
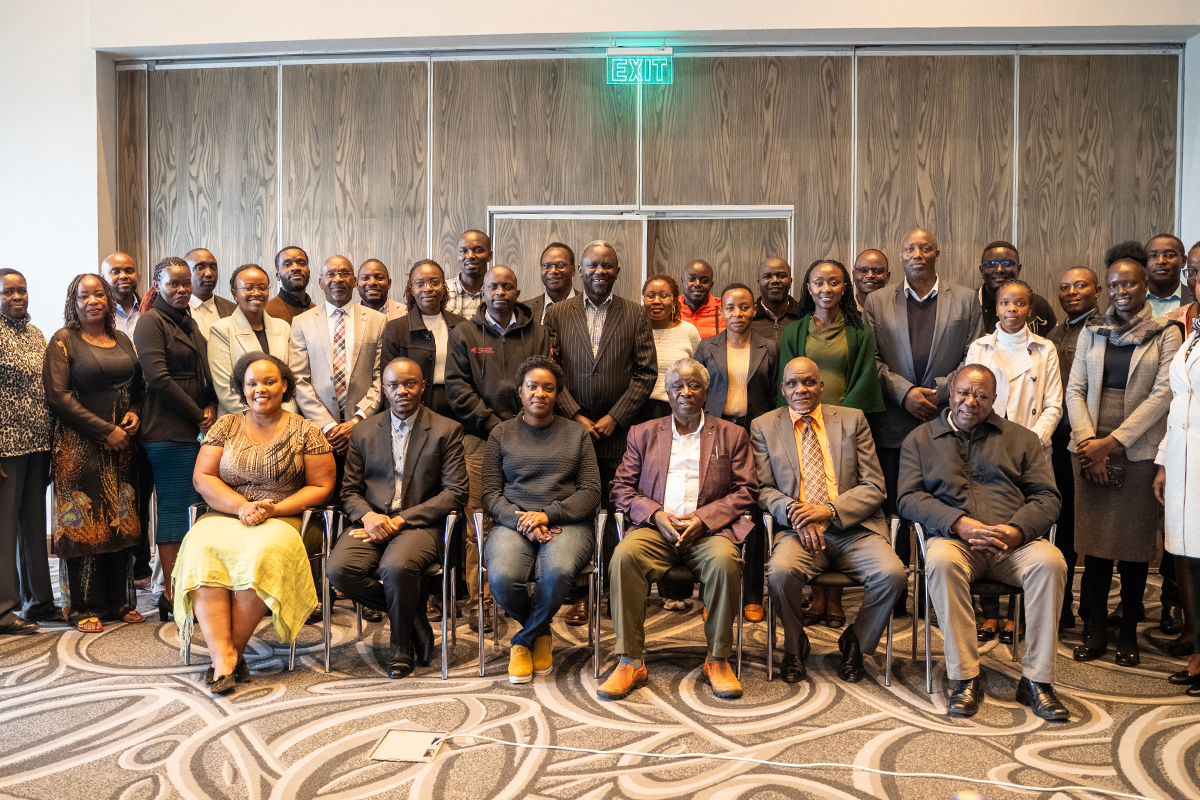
{"x": 541, "y": 485}
{"x": 257, "y": 471}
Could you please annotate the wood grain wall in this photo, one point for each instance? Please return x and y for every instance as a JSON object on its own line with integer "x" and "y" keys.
{"x": 354, "y": 150}
{"x": 131, "y": 166}
{"x": 935, "y": 145}
{"x": 531, "y": 132}
{"x": 733, "y": 247}
{"x": 212, "y": 165}
{"x": 1098, "y": 150}
{"x": 518, "y": 244}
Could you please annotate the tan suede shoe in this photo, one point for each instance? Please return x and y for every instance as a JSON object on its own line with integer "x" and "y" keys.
{"x": 722, "y": 680}
{"x": 623, "y": 680}
{"x": 543, "y": 655}
{"x": 520, "y": 665}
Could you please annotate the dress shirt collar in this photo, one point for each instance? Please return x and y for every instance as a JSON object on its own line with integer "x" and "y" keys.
{"x": 587, "y": 302}
{"x": 679, "y": 437}
{"x": 817, "y": 417}
{"x": 401, "y": 424}
{"x": 1082, "y": 318}
{"x": 910, "y": 292}
{"x": 487, "y": 313}
{"x": 210, "y": 303}
{"x": 332, "y": 310}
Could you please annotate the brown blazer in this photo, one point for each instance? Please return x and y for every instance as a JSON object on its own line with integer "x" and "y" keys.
{"x": 728, "y": 479}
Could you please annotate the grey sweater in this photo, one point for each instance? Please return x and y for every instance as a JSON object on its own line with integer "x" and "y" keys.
{"x": 551, "y": 469}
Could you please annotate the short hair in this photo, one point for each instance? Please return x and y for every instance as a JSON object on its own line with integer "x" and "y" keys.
{"x": 1000, "y": 243}
{"x": 598, "y": 243}
{"x": 1018, "y": 283}
{"x": 282, "y": 250}
{"x": 243, "y": 268}
{"x": 541, "y": 362}
{"x": 847, "y": 305}
{"x": 376, "y": 261}
{"x": 553, "y": 245}
{"x": 410, "y": 299}
{"x": 1193, "y": 247}
{"x": 71, "y": 318}
{"x": 676, "y": 311}
{"x": 239, "y": 374}
{"x": 977, "y": 368}
{"x": 1130, "y": 250}
{"x": 1170, "y": 236}
{"x": 686, "y": 363}
{"x": 195, "y": 249}
{"x": 481, "y": 233}
{"x": 156, "y": 275}
{"x": 401, "y": 360}
{"x": 731, "y": 286}
{"x": 4, "y": 273}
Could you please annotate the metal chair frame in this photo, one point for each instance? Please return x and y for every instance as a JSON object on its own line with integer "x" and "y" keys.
{"x": 620, "y": 519}
{"x": 983, "y": 588}
{"x": 593, "y": 571}
{"x": 328, "y": 514}
{"x": 830, "y": 578}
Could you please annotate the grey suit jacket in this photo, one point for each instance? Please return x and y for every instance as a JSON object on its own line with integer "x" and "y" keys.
{"x": 1147, "y": 391}
{"x": 231, "y": 338}
{"x": 852, "y": 449}
{"x": 435, "y": 469}
{"x": 959, "y": 322}
{"x": 761, "y": 377}
{"x": 225, "y": 308}
{"x": 312, "y": 362}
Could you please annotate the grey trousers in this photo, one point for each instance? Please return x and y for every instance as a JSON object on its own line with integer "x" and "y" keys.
{"x": 473, "y": 451}
{"x": 1038, "y": 567}
{"x": 863, "y": 555}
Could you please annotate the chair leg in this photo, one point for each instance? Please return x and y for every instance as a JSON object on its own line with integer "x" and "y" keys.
{"x": 187, "y": 652}
{"x": 326, "y": 610}
{"x": 1015, "y": 603}
{"x": 770, "y": 637}
{"x": 741, "y": 617}
{"x": 452, "y": 609}
{"x": 446, "y": 611}
{"x": 479, "y": 613}
{"x": 358, "y": 618}
{"x": 495, "y": 624}
{"x": 916, "y": 576}
{"x": 593, "y": 629}
{"x": 292, "y": 657}
{"x": 887, "y": 658}
{"x": 928, "y": 641}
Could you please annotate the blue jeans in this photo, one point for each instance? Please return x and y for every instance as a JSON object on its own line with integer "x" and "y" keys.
{"x": 510, "y": 563}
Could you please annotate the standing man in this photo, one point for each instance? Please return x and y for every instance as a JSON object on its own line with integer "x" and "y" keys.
{"x": 466, "y": 288}
{"x": 870, "y": 273}
{"x": 697, "y": 304}
{"x": 374, "y": 287}
{"x": 558, "y": 268}
{"x": 1166, "y": 256}
{"x": 776, "y": 308}
{"x": 481, "y": 386}
{"x": 291, "y": 271}
{"x": 335, "y": 356}
{"x": 607, "y": 353}
{"x": 1078, "y": 294}
{"x": 207, "y": 308}
{"x": 120, "y": 271}
{"x": 1000, "y": 262}
{"x": 922, "y": 331}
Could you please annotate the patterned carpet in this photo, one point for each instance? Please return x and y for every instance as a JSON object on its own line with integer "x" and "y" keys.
{"x": 117, "y": 715}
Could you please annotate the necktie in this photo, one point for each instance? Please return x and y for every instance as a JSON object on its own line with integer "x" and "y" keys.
{"x": 339, "y": 358}
{"x": 812, "y": 466}
{"x": 399, "y": 437}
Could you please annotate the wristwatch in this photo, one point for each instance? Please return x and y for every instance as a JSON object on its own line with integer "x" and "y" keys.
{"x": 832, "y": 511}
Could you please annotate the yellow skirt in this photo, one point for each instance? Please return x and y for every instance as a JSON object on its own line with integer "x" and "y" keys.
{"x": 270, "y": 558}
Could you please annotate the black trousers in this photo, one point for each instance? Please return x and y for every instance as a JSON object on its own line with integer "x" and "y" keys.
{"x": 25, "y": 589}
{"x": 889, "y": 462}
{"x": 1064, "y": 537}
{"x": 387, "y": 577}
{"x": 98, "y": 584}
{"x": 145, "y": 488}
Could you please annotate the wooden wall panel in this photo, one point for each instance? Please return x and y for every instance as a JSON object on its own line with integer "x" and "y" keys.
{"x": 755, "y": 131}
{"x": 212, "y": 165}
{"x": 734, "y": 247}
{"x": 519, "y": 243}
{"x": 1097, "y": 157}
{"x": 531, "y": 132}
{"x": 354, "y": 150}
{"x": 935, "y": 141}
{"x": 131, "y": 166}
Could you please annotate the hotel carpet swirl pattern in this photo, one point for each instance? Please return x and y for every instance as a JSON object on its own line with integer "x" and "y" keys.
{"x": 117, "y": 715}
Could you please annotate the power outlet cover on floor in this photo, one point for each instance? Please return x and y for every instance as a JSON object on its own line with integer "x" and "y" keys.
{"x": 400, "y": 745}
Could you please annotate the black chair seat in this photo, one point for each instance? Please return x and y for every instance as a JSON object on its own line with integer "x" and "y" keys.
{"x": 677, "y": 584}
{"x": 834, "y": 580}
{"x": 995, "y": 588}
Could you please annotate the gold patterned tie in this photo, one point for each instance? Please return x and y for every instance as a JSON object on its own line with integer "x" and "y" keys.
{"x": 812, "y": 466}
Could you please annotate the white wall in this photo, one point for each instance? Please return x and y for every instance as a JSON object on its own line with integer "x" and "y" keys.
{"x": 1189, "y": 230}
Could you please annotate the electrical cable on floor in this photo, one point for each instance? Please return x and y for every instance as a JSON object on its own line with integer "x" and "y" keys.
{"x": 817, "y": 765}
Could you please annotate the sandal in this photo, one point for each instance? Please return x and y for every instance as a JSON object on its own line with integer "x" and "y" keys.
{"x": 130, "y": 615}
{"x": 89, "y": 625}
{"x": 834, "y": 621}
{"x": 1007, "y": 635}
{"x": 987, "y": 631}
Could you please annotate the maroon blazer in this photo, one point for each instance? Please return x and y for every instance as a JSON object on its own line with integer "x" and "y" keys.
{"x": 728, "y": 479}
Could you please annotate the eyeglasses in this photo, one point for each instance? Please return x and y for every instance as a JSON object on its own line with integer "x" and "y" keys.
{"x": 432, "y": 283}
{"x": 342, "y": 274}
{"x": 1167, "y": 254}
{"x": 560, "y": 266}
{"x": 997, "y": 264}
{"x": 863, "y": 272}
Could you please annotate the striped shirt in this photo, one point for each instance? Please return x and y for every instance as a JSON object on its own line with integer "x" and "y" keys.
{"x": 595, "y": 319}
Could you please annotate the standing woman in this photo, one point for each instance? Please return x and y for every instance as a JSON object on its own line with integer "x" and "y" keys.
{"x": 674, "y": 337}
{"x": 831, "y": 333}
{"x": 248, "y": 329}
{"x": 180, "y": 405}
{"x": 1117, "y": 398}
{"x": 94, "y": 385}
{"x": 424, "y": 337}
{"x": 26, "y": 425}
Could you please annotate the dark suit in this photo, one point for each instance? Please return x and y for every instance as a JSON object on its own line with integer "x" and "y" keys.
{"x": 386, "y": 576}
{"x": 856, "y": 540}
{"x": 407, "y": 337}
{"x": 728, "y": 484}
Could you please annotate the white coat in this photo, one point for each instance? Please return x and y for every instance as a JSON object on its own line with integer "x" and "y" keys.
{"x": 231, "y": 338}
{"x": 1029, "y": 388}
{"x": 1179, "y": 452}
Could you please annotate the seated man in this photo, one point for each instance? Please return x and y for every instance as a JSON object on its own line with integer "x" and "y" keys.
{"x": 405, "y": 472}
{"x": 820, "y": 478}
{"x": 983, "y": 489}
{"x": 685, "y": 481}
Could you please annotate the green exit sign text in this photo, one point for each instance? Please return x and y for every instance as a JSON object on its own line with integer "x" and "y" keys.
{"x": 651, "y": 65}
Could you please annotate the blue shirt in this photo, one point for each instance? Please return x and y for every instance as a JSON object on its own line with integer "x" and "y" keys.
{"x": 1161, "y": 305}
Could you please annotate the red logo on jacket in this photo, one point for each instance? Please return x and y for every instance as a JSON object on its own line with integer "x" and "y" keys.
{"x": 482, "y": 350}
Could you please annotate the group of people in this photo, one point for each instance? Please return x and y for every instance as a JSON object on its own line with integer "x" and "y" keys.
{"x": 973, "y": 413}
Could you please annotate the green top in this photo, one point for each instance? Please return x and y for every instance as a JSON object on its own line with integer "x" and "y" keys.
{"x": 828, "y": 348}
{"x": 860, "y": 375}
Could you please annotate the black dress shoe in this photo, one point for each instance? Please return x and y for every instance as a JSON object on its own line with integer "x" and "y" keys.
{"x": 371, "y": 615}
{"x": 400, "y": 668}
{"x": 19, "y": 627}
{"x": 1128, "y": 654}
{"x": 423, "y": 641}
{"x": 473, "y": 619}
{"x": 965, "y": 697}
{"x": 166, "y": 609}
{"x": 52, "y": 614}
{"x": 1042, "y": 701}
{"x": 1090, "y": 651}
{"x": 851, "y": 669}
{"x": 315, "y": 618}
{"x": 1184, "y": 678}
{"x": 1193, "y": 691}
{"x": 1170, "y": 622}
{"x": 794, "y": 669}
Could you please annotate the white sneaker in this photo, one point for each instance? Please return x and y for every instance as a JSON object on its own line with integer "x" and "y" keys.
{"x": 675, "y": 605}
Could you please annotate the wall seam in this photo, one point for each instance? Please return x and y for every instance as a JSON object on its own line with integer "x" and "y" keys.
{"x": 1180, "y": 88}
{"x": 853, "y": 158}
{"x": 279, "y": 157}
{"x": 639, "y": 149}
{"x": 1016, "y": 151}
{"x": 429, "y": 158}
{"x": 146, "y": 175}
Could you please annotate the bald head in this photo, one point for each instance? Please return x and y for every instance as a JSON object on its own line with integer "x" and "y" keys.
{"x": 120, "y": 271}
{"x": 802, "y": 385}
{"x": 500, "y": 292}
{"x": 337, "y": 280}
{"x": 919, "y": 254}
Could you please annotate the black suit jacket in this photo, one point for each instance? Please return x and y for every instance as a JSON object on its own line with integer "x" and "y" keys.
{"x": 435, "y": 469}
{"x": 178, "y": 384}
{"x": 615, "y": 381}
{"x": 407, "y": 337}
{"x": 760, "y": 378}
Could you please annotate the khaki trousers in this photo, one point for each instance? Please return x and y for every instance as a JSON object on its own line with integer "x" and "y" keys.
{"x": 473, "y": 454}
{"x": 1038, "y": 567}
{"x": 644, "y": 556}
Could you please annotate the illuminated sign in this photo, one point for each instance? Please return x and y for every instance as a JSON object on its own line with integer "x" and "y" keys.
{"x": 650, "y": 65}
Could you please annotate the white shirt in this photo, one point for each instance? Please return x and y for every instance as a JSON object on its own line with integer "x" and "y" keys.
{"x": 204, "y": 313}
{"x": 332, "y": 311}
{"x": 681, "y": 495}
{"x": 441, "y": 340}
{"x": 400, "y": 430}
{"x": 908, "y": 290}
{"x": 503, "y": 329}
{"x": 546, "y": 305}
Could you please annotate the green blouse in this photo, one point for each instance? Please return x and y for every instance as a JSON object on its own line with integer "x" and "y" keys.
{"x": 859, "y": 375}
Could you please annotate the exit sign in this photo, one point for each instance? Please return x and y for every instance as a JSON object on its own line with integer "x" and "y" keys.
{"x": 651, "y": 65}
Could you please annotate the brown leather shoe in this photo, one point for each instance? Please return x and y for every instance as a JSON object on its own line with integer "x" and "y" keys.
{"x": 578, "y": 614}
{"x": 722, "y": 680}
{"x": 753, "y": 612}
{"x": 623, "y": 680}
{"x": 433, "y": 609}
